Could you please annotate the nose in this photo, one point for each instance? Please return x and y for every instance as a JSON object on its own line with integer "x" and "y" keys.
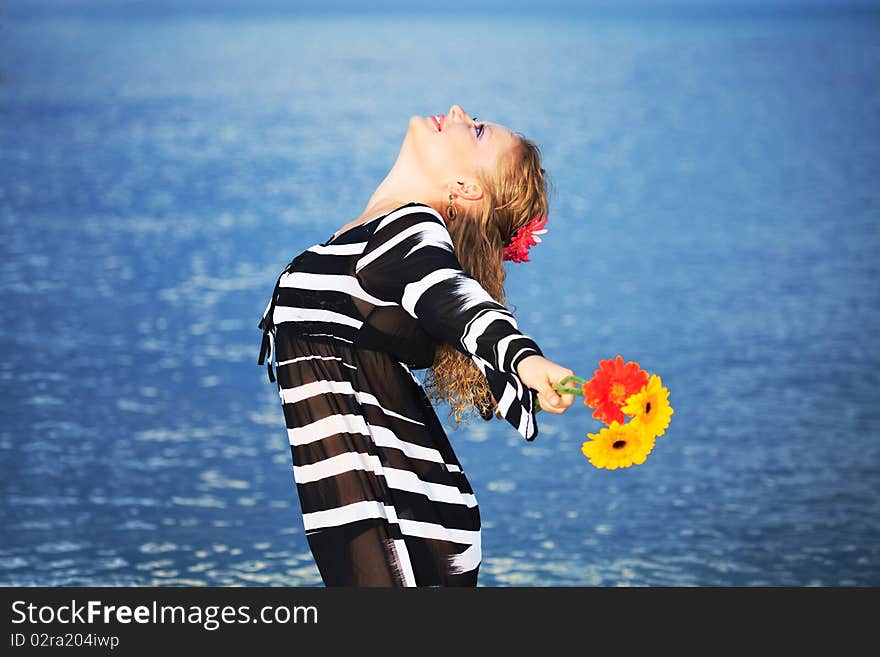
{"x": 458, "y": 114}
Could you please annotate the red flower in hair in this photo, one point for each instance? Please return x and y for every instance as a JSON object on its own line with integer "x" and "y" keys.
{"x": 525, "y": 238}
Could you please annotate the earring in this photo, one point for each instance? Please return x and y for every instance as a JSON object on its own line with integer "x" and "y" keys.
{"x": 450, "y": 211}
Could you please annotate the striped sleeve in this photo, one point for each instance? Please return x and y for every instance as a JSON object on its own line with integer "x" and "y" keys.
{"x": 410, "y": 260}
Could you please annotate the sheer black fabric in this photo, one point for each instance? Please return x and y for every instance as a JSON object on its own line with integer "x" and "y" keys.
{"x": 384, "y": 499}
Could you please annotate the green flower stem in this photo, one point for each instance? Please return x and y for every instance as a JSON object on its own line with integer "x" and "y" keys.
{"x": 567, "y": 391}
{"x": 562, "y": 389}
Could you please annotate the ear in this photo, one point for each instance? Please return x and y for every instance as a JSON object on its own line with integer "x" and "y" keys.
{"x": 465, "y": 188}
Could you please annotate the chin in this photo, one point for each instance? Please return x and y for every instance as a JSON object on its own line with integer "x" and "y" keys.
{"x": 419, "y": 125}
{"x": 417, "y": 132}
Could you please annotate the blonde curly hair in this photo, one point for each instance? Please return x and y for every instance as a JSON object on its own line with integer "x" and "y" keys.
{"x": 513, "y": 196}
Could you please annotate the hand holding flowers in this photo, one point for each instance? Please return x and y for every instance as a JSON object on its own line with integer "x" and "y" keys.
{"x": 617, "y": 390}
{"x": 539, "y": 373}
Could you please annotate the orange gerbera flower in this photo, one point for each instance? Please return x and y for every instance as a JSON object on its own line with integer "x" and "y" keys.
{"x": 610, "y": 387}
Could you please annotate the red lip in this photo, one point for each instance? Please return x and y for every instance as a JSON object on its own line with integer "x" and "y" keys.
{"x": 438, "y": 123}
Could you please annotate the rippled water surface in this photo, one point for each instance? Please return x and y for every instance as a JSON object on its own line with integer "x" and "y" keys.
{"x": 715, "y": 218}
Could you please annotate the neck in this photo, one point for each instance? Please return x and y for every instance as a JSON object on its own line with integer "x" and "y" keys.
{"x": 398, "y": 188}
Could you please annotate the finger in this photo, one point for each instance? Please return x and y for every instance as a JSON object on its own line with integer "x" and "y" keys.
{"x": 552, "y": 397}
{"x": 548, "y": 404}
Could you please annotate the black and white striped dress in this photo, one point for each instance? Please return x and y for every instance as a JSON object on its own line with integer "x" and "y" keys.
{"x": 383, "y": 496}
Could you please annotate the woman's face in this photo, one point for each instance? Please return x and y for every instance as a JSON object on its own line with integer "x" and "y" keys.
{"x": 454, "y": 146}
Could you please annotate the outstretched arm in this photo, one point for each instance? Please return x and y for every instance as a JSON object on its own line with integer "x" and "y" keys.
{"x": 410, "y": 260}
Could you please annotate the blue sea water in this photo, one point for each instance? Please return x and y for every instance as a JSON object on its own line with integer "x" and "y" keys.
{"x": 715, "y": 218}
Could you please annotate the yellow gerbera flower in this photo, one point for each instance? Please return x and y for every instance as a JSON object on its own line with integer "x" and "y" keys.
{"x": 650, "y": 407}
{"x": 618, "y": 446}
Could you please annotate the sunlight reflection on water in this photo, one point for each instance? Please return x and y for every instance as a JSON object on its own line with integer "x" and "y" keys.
{"x": 715, "y": 220}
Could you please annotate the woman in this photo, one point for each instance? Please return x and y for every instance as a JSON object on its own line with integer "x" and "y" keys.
{"x": 414, "y": 282}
